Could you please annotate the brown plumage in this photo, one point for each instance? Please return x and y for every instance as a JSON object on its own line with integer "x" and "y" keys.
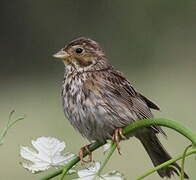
{"x": 98, "y": 99}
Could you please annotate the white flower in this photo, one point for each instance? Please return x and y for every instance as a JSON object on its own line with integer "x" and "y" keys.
{"x": 48, "y": 154}
{"x": 114, "y": 175}
{"x": 91, "y": 174}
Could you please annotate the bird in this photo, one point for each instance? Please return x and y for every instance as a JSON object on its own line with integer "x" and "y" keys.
{"x": 99, "y": 101}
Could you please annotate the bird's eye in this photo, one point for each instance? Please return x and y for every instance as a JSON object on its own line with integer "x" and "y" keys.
{"x": 79, "y": 50}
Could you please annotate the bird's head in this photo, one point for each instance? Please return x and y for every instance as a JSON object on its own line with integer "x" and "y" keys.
{"x": 81, "y": 52}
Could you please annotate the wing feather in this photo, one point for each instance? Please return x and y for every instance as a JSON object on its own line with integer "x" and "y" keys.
{"x": 118, "y": 90}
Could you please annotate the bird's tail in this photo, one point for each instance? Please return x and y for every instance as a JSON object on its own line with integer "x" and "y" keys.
{"x": 158, "y": 154}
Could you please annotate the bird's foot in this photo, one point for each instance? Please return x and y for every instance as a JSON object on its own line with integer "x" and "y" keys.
{"x": 83, "y": 150}
{"x": 117, "y": 136}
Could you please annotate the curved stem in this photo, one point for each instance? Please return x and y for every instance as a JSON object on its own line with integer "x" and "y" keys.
{"x": 174, "y": 167}
{"x": 193, "y": 151}
{"x": 63, "y": 174}
{"x": 130, "y": 129}
{"x": 9, "y": 124}
{"x": 162, "y": 122}
{"x": 183, "y": 161}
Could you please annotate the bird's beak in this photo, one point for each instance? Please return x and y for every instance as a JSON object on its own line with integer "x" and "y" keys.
{"x": 61, "y": 54}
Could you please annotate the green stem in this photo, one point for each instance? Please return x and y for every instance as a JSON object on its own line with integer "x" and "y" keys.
{"x": 111, "y": 151}
{"x": 8, "y": 126}
{"x": 174, "y": 168}
{"x": 162, "y": 122}
{"x": 167, "y": 163}
{"x": 63, "y": 174}
{"x": 130, "y": 129}
{"x": 183, "y": 161}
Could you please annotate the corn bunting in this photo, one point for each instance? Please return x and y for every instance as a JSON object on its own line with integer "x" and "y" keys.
{"x": 99, "y": 101}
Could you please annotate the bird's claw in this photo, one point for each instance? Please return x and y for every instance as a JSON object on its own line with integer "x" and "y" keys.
{"x": 81, "y": 154}
{"x": 117, "y": 136}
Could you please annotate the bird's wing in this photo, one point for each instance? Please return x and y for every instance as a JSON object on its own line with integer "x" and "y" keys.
{"x": 149, "y": 103}
{"x": 118, "y": 90}
{"x": 115, "y": 83}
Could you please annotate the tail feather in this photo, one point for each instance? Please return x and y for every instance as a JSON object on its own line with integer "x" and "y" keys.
{"x": 158, "y": 154}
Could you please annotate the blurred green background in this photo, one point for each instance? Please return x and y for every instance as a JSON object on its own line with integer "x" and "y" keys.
{"x": 153, "y": 42}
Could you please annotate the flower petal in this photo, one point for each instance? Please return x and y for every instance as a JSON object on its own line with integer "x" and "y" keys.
{"x": 34, "y": 168}
{"x": 89, "y": 171}
{"x": 48, "y": 154}
{"x": 91, "y": 174}
{"x": 114, "y": 175}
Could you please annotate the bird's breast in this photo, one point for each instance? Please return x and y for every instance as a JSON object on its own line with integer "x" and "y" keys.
{"x": 91, "y": 109}
{"x": 84, "y": 108}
